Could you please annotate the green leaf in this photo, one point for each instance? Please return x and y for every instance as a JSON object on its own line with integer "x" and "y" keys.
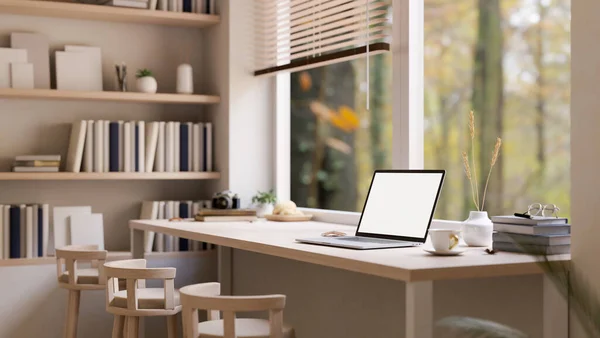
{"x": 143, "y": 73}
{"x": 468, "y": 327}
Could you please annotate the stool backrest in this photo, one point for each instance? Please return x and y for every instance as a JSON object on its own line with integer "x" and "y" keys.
{"x": 135, "y": 272}
{"x": 207, "y": 297}
{"x": 68, "y": 257}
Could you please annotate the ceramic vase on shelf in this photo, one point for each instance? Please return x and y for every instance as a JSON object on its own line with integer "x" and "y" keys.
{"x": 477, "y": 229}
{"x": 146, "y": 84}
{"x": 264, "y": 209}
{"x": 185, "y": 79}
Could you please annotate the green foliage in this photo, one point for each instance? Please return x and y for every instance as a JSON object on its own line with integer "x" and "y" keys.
{"x": 467, "y": 327}
{"x": 143, "y": 73}
{"x": 265, "y": 197}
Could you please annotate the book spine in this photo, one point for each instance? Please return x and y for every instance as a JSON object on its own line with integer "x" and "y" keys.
{"x": 208, "y": 147}
{"x": 196, "y": 148}
{"x": 88, "y": 160}
{"x": 177, "y": 146}
{"x": 136, "y": 149}
{"x": 184, "y": 212}
{"x": 141, "y": 146}
{"x": 45, "y": 228}
{"x": 41, "y": 232}
{"x": 132, "y": 156}
{"x": 159, "y": 238}
{"x": 106, "y": 153}
{"x": 183, "y": 147}
{"x": 169, "y": 211}
{"x": 170, "y": 147}
{"x": 127, "y": 147}
{"x": 98, "y": 146}
{"x": 114, "y": 147}
{"x": 15, "y": 232}
{"x": 2, "y": 225}
{"x": 29, "y": 232}
{"x": 187, "y": 6}
{"x": 7, "y": 240}
{"x": 121, "y": 147}
{"x": 23, "y": 232}
{"x": 160, "y": 150}
{"x": 36, "y": 231}
{"x": 175, "y": 239}
{"x": 163, "y": 5}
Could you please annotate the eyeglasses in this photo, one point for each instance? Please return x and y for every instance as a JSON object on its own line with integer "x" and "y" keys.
{"x": 544, "y": 210}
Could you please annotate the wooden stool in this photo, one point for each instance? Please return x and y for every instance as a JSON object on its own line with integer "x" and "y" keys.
{"x": 76, "y": 279}
{"x": 138, "y": 301}
{"x": 207, "y": 297}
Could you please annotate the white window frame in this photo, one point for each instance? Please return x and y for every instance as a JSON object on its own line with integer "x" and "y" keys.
{"x": 408, "y": 107}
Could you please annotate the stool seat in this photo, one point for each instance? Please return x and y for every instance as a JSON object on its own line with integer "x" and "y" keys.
{"x": 151, "y": 298}
{"x": 84, "y": 276}
{"x": 244, "y": 328}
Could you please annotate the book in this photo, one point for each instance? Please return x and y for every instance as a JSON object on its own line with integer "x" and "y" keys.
{"x": 172, "y": 6}
{"x": 564, "y": 229}
{"x": 128, "y": 3}
{"x": 37, "y": 158}
{"x": 208, "y": 147}
{"x": 198, "y": 147}
{"x": 45, "y": 211}
{"x": 34, "y": 227}
{"x": 37, "y": 164}
{"x": 532, "y": 239}
{"x": 190, "y": 152}
{"x": 132, "y": 141}
{"x": 114, "y": 147}
{"x": 149, "y": 211}
{"x": 212, "y": 7}
{"x": 98, "y": 146}
{"x": 175, "y": 239}
{"x": 141, "y": 147}
{"x": 176, "y": 146}
{"x": 35, "y": 169}
{"x": 121, "y": 147}
{"x": 6, "y": 231}
{"x": 163, "y": 5}
{"x": 160, "y": 149}
{"x": 187, "y": 6}
{"x": 227, "y": 212}
{"x": 88, "y": 152}
{"x": 151, "y": 145}
{"x": 170, "y": 147}
{"x": 225, "y": 218}
{"x": 169, "y": 213}
{"x": 106, "y": 152}
{"x": 87, "y": 230}
{"x": 15, "y": 232}
{"x": 23, "y": 231}
{"x": 532, "y": 249}
{"x": 28, "y": 232}
{"x": 2, "y": 255}
{"x": 127, "y": 147}
{"x": 527, "y": 221}
{"x": 184, "y": 212}
{"x": 183, "y": 147}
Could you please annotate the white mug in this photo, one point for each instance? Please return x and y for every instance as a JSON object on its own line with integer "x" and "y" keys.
{"x": 444, "y": 240}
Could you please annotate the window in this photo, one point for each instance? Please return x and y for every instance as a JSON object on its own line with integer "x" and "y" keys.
{"x": 512, "y": 68}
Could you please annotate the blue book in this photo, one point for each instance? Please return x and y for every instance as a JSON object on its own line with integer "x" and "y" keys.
{"x": 184, "y": 137}
{"x": 15, "y": 232}
{"x": 40, "y": 225}
{"x": 137, "y": 148}
{"x": 113, "y": 145}
{"x": 184, "y": 212}
{"x": 187, "y": 6}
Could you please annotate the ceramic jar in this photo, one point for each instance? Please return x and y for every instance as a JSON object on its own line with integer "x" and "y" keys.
{"x": 146, "y": 84}
{"x": 264, "y": 209}
{"x": 477, "y": 229}
{"x": 185, "y": 79}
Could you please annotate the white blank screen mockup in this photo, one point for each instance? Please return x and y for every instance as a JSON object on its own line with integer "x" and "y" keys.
{"x": 400, "y": 204}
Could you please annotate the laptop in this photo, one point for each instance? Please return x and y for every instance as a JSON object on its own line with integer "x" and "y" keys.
{"x": 397, "y": 212}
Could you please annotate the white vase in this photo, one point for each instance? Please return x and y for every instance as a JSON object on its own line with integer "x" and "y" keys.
{"x": 264, "y": 209}
{"x": 185, "y": 79}
{"x": 477, "y": 229}
{"x": 146, "y": 84}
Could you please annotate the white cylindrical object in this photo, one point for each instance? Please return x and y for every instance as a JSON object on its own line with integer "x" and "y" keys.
{"x": 185, "y": 79}
{"x": 146, "y": 84}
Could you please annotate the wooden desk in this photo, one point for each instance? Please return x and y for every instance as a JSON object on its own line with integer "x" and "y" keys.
{"x": 411, "y": 265}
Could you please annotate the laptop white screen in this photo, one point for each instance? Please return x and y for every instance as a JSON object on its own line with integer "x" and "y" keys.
{"x": 400, "y": 203}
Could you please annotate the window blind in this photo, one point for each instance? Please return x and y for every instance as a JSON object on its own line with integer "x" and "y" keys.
{"x": 294, "y": 35}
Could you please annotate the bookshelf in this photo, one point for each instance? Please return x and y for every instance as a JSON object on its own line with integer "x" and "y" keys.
{"x": 70, "y": 95}
{"x": 106, "y": 13}
{"x": 68, "y": 176}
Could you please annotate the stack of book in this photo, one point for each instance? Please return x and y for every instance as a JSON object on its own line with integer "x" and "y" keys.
{"x": 138, "y": 146}
{"x": 36, "y": 163}
{"x": 226, "y": 215}
{"x": 128, "y": 3}
{"x": 24, "y": 230}
{"x": 539, "y": 235}
{"x": 171, "y": 210}
{"x": 185, "y": 6}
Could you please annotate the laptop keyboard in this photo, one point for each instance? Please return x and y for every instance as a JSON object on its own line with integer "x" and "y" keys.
{"x": 369, "y": 240}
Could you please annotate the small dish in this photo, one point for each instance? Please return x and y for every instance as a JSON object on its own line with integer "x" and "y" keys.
{"x": 455, "y": 252}
{"x": 288, "y": 218}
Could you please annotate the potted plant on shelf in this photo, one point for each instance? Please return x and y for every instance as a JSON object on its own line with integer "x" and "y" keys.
{"x": 478, "y": 228}
{"x": 145, "y": 82}
{"x": 264, "y": 202}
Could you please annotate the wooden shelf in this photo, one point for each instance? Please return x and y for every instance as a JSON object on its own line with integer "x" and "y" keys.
{"x": 68, "y": 176}
{"x": 106, "y": 13}
{"x": 68, "y": 95}
{"x": 112, "y": 256}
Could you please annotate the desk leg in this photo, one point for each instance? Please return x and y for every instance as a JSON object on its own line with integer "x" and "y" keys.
{"x": 225, "y": 269}
{"x": 556, "y": 311}
{"x": 419, "y": 309}
{"x": 137, "y": 243}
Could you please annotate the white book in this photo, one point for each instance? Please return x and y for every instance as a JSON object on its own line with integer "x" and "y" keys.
{"x": 28, "y": 231}
{"x": 35, "y": 169}
{"x": 163, "y": 5}
{"x": 170, "y": 147}
{"x": 127, "y": 147}
{"x": 160, "y": 149}
{"x": 190, "y": 154}
{"x": 141, "y": 146}
{"x": 160, "y": 238}
{"x": 121, "y": 149}
{"x": 60, "y": 223}
{"x": 175, "y": 239}
{"x": 149, "y": 211}
{"x": 132, "y": 145}
{"x": 23, "y": 231}
{"x": 88, "y": 153}
{"x": 76, "y": 145}
{"x": 169, "y": 212}
{"x": 25, "y": 158}
{"x": 151, "y": 144}
{"x": 98, "y": 146}
{"x": 213, "y": 9}
{"x": 194, "y": 6}
{"x": 208, "y": 146}
{"x": 87, "y": 230}
{"x": 2, "y": 225}
{"x": 198, "y": 147}
{"x": 203, "y": 6}
{"x": 106, "y": 152}
{"x": 177, "y": 146}
{"x": 153, "y": 4}
{"x": 45, "y": 228}
{"x": 172, "y": 5}
{"x": 128, "y": 3}
{"x": 6, "y": 231}
{"x": 180, "y": 5}
{"x": 36, "y": 235}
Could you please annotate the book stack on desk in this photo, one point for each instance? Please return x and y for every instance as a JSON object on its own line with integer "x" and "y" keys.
{"x": 226, "y": 215}
{"x": 36, "y": 164}
{"x": 538, "y": 235}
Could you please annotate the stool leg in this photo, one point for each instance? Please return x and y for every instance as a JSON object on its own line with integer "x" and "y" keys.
{"x": 172, "y": 326}
{"x": 72, "y": 314}
{"x": 118, "y": 326}
{"x": 132, "y": 327}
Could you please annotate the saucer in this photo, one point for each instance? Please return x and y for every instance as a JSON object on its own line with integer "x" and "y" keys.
{"x": 455, "y": 252}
